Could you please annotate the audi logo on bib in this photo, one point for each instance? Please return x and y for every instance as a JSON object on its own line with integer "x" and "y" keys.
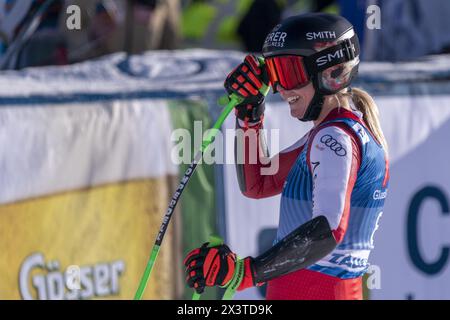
{"x": 331, "y": 143}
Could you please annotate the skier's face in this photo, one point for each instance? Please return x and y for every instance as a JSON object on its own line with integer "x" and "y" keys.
{"x": 298, "y": 99}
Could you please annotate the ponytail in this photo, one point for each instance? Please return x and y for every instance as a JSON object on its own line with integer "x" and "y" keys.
{"x": 367, "y": 106}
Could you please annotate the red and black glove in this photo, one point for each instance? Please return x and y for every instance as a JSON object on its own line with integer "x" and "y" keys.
{"x": 214, "y": 266}
{"x": 246, "y": 80}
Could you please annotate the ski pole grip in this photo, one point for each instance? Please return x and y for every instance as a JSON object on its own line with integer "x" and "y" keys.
{"x": 226, "y": 99}
{"x": 214, "y": 241}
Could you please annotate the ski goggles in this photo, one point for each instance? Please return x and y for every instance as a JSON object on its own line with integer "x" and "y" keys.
{"x": 293, "y": 71}
{"x": 287, "y": 71}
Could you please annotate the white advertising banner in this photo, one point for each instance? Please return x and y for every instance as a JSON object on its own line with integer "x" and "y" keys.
{"x": 412, "y": 244}
{"x": 103, "y": 142}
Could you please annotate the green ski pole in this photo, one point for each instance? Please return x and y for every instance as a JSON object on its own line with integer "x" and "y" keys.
{"x": 234, "y": 100}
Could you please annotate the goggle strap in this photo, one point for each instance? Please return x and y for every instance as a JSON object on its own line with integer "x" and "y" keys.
{"x": 345, "y": 51}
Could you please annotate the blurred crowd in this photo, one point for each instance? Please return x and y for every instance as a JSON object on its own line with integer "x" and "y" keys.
{"x": 36, "y": 32}
{"x": 105, "y": 26}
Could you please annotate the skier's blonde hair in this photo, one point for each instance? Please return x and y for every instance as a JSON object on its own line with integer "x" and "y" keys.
{"x": 367, "y": 106}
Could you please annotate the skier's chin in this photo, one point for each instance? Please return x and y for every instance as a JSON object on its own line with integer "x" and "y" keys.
{"x": 297, "y": 110}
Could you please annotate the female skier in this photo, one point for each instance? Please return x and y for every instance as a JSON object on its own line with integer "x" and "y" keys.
{"x": 333, "y": 181}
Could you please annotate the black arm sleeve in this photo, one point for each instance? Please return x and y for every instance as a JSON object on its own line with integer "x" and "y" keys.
{"x": 301, "y": 248}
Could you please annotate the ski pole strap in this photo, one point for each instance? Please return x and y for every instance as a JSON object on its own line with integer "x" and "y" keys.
{"x": 234, "y": 283}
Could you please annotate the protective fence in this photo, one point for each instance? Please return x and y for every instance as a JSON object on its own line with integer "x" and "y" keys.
{"x": 87, "y": 169}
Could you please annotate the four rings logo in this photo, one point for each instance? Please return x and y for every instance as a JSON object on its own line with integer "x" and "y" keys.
{"x": 331, "y": 143}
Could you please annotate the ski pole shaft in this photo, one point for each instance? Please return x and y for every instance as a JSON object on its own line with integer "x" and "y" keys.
{"x": 234, "y": 100}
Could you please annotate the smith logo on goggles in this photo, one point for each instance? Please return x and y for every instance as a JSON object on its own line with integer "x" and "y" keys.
{"x": 294, "y": 71}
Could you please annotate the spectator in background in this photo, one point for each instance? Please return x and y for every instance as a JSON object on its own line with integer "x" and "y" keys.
{"x": 155, "y": 25}
{"x": 45, "y": 44}
{"x": 100, "y": 31}
{"x": 261, "y": 17}
{"x": 133, "y": 26}
{"x": 409, "y": 29}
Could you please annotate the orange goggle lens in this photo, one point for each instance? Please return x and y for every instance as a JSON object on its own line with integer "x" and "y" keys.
{"x": 286, "y": 71}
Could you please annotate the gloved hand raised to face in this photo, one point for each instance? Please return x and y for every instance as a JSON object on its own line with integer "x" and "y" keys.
{"x": 214, "y": 266}
{"x": 250, "y": 81}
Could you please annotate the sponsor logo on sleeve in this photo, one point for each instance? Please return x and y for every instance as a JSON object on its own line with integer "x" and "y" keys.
{"x": 361, "y": 132}
{"x": 348, "y": 260}
{"x": 379, "y": 195}
{"x": 334, "y": 145}
{"x": 315, "y": 165}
